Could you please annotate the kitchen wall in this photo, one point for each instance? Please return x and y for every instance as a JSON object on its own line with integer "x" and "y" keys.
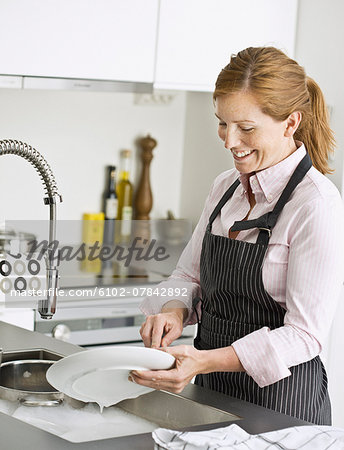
{"x": 204, "y": 154}
{"x": 319, "y": 29}
{"x": 79, "y": 133}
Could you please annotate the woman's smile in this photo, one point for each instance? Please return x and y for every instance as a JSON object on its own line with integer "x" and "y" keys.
{"x": 242, "y": 155}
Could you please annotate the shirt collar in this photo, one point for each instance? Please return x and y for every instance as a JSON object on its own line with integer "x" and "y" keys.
{"x": 271, "y": 181}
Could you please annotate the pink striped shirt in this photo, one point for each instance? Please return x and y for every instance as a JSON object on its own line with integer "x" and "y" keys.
{"x": 303, "y": 268}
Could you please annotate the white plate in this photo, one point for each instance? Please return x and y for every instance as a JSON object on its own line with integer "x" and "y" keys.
{"x": 108, "y": 386}
{"x": 101, "y": 375}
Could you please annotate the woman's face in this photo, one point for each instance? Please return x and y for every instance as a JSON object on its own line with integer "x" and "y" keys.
{"x": 256, "y": 140}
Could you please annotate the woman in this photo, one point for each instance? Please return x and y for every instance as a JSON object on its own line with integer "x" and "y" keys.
{"x": 271, "y": 265}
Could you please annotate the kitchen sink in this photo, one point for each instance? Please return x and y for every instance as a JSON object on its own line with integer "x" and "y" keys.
{"x": 160, "y": 407}
{"x": 77, "y": 421}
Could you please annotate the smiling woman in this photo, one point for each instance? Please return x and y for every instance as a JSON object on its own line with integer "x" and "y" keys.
{"x": 265, "y": 263}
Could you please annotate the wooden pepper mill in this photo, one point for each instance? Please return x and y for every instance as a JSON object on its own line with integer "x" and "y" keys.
{"x": 144, "y": 198}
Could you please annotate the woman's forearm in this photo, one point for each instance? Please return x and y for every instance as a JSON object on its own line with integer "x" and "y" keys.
{"x": 220, "y": 360}
{"x": 176, "y": 306}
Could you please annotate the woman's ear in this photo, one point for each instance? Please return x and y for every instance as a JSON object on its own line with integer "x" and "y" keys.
{"x": 292, "y": 123}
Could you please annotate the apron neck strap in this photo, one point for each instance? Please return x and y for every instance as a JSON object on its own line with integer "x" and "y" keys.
{"x": 224, "y": 199}
{"x": 267, "y": 221}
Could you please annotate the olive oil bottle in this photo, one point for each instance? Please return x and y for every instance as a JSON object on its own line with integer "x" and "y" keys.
{"x": 124, "y": 190}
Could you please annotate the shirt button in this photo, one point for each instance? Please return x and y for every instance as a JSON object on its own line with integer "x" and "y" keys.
{"x": 269, "y": 198}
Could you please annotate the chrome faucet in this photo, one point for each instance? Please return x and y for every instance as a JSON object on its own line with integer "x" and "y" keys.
{"x": 46, "y": 307}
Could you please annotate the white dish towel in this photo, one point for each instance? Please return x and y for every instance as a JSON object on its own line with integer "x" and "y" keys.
{"x": 313, "y": 437}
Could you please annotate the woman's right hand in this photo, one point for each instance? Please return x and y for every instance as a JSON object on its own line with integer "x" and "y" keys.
{"x": 160, "y": 330}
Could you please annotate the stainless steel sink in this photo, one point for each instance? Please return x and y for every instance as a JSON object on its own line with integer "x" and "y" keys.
{"x": 174, "y": 411}
{"x": 159, "y": 407}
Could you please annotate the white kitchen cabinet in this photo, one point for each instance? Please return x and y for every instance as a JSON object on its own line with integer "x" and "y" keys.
{"x": 181, "y": 45}
{"x": 197, "y": 37}
{"x": 92, "y": 39}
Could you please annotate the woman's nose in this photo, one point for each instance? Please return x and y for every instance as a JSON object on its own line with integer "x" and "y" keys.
{"x": 231, "y": 140}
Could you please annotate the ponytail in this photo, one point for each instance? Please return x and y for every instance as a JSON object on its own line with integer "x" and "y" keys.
{"x": 314, "y": 130}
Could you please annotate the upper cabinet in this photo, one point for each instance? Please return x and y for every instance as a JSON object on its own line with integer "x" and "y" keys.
{"x": 175, "y": 44}
{"x": 92, "y": 39}
{"x": 197, "y": 37}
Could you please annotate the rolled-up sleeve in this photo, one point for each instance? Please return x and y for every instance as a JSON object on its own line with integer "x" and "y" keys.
{"x": 315, "y": 277}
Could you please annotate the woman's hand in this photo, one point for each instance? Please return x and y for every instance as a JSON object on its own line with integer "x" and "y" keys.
{"x": 160, "y": 330}
{"x": 189, "y": 362}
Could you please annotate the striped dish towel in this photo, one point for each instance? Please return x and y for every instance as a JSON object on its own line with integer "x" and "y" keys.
{"x": 313, "y": 437}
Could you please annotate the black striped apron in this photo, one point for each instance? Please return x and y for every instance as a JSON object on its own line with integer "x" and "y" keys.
{"x": 235, "y": 303}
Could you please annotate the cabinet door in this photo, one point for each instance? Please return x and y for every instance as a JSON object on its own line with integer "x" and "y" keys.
{"x": 93, "y": 39}
{"x": 197, "y": 37}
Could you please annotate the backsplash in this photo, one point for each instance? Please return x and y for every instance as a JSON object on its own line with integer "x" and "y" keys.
{"x": 79, "y": 134}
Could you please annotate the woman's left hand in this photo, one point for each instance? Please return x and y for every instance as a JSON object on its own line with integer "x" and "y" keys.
{"x": 189, "y": 362}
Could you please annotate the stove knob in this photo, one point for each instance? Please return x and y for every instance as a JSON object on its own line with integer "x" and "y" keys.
{"x": 61, "y": 332}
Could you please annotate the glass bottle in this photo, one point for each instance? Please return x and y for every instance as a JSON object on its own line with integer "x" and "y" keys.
{"x": 110, "y": 206}
{"x": 125, "y": 196}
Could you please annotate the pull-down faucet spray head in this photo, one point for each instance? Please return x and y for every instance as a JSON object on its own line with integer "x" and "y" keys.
{"x": 46, "y": 307}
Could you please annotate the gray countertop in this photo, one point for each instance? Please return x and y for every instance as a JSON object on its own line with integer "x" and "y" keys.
{"x": 16, "y": 434}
